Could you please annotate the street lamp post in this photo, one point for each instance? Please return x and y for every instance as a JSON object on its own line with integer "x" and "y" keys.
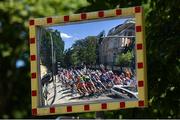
{"x": 52, "y": 58}
{"x": 53, "y": 67}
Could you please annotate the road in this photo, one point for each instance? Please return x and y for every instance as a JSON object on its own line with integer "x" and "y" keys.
{"x": 64, "y": 96}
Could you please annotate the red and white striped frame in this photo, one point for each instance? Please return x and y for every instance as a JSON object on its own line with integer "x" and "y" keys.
{"x": 136, "y": 12}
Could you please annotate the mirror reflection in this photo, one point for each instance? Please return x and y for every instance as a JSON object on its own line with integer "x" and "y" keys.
{"x": 88, "y": 62}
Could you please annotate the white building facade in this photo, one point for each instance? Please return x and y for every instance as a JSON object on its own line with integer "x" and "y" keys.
{"x": 116, "y": 40}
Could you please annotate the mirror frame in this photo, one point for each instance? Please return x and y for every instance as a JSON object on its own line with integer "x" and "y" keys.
{"x": 141, "y": 69}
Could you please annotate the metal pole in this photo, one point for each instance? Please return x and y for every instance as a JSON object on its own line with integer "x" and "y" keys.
{"x": 54, "y": 66}
{"x": 119, "y": 36}
{"x": 39, "y": 37}
{"x": 52, "y": 50}
{"x": 52, "y": 59}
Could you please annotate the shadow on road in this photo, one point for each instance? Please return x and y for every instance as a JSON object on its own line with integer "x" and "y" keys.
{"x": 64, "y": 96}
{"x": 63, "y": 90}
{"x": 66, "y": 92}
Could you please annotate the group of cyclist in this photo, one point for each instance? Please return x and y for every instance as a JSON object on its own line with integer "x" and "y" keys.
{"x": 87, "y": 81}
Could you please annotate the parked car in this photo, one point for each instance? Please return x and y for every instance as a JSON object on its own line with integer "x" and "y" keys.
{"x": 124, "y": 91}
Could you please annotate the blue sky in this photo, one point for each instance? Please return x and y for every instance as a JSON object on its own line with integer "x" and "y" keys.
{"x": 72, "y": 32}
{"x": 20, "y": 63}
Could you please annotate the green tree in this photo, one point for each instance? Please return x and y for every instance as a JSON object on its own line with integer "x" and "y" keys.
{"x": 14, "y": 16}
{"x": 162, "y": 36}
{"x": 90, "y": 50}
{"x": 46, "y": 46}
{"x": 77, "y": 52}
{"x": 67, "y": 58}
{"x": 124, "y": 59}
{"x": 75, "y": 58}
{"x": 163, "y": 61}
{"x": 84, "y": 51}
{"x": 58, "y": 45}
{"x": 45, "y": 49}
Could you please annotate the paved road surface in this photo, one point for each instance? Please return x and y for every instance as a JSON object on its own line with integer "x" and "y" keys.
{"x": 64, "y": 96}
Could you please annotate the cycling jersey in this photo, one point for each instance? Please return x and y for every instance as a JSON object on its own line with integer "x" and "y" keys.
{"x": 81, "y": 80}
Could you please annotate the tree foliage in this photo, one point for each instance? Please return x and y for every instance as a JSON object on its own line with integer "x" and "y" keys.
{"x": 15, "y": 84}
{"x": 82, "y": 51}
{"x": 124, "y": 59}
{"x": 163, "y": 59}
{"x": 49, "y": 40}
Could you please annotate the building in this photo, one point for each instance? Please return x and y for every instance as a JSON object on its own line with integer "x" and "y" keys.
{"x": 115, "y": 41}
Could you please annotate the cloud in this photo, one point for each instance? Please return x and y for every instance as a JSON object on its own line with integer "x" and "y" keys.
{"x": 65, "y": 36}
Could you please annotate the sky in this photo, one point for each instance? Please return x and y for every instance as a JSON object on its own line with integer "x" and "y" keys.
{"x": 20, "y": 63}
{"x": 72, "y": 32}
